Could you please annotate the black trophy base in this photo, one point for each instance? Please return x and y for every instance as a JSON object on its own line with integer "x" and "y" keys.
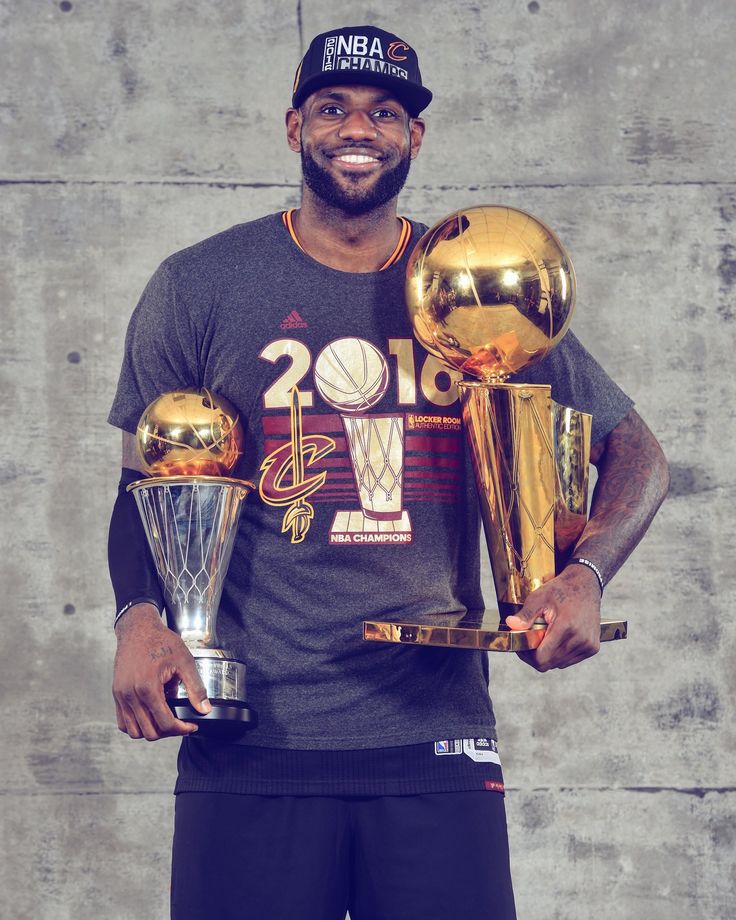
{"x": 228, "y": 720}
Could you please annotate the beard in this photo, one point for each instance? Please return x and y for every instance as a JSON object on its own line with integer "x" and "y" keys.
{"x": 353, "y": 200}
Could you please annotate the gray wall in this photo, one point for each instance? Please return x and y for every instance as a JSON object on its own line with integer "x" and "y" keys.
{"x": 131, "y": 129}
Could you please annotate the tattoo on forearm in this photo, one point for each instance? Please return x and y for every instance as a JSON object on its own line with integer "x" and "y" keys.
{"x": 632, "y": 483}
{"x": 162, "y": 652}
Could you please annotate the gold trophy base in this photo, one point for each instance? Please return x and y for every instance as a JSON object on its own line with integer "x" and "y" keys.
{"x": 473, "y": 632}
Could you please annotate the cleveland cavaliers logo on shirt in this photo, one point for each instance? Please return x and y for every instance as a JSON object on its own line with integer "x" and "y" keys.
{"x": 285, "y": 481}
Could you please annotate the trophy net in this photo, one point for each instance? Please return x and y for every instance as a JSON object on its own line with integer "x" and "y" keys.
{"x": 376, "y": 444}
{"x": 191, "y": 527}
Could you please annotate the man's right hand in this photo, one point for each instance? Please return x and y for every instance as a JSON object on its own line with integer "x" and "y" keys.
{"x": 150, "y": 655}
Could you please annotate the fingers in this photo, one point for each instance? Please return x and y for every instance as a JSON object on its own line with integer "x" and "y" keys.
{"x": 146, "y": 725}
{"x": 127, "y": 721}
{"x": 578, "y": 651}
{"x": 158, "y": 714}
{"x": 120, "y": 717}
{"x": 561, "y": 647}
{"x": 196, "y": 692}
{"x": 526, "y": 618}
{"x": 517, "y": 622}
{"x": 143, "y": 712}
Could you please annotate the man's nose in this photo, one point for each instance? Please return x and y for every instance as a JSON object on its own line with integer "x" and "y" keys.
{"x": 357, "y": 125}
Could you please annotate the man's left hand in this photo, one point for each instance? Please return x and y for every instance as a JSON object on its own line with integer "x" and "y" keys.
{"x": 570, "y": 604}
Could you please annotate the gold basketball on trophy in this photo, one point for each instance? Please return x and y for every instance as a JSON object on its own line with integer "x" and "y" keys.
{"x": 490, "y": 290}
{"x": 189, "y": 432}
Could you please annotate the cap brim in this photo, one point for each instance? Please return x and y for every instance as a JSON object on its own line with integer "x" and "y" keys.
{"x": 414, "y": 98}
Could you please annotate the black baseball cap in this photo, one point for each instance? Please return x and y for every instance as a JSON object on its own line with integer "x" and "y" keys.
{"x": 364, "y": 55}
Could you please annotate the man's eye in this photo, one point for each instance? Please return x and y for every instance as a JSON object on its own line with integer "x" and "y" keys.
{"x": 331, "y": 110}
{"x": 384, "y": 113}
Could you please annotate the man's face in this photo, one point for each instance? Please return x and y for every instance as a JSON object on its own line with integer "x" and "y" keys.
{"x": 356, "y": 145}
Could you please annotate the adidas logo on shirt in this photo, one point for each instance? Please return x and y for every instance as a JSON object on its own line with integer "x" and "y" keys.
{"x": 293, "y": 321}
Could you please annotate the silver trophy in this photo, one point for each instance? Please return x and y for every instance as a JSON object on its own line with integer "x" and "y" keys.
{"x": 190, "y": 511}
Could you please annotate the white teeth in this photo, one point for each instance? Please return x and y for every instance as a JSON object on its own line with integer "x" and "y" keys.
{"x": 356, "y": 158}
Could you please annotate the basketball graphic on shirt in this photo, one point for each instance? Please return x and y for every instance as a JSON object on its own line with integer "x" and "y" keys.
{"x": 351, "y": 375}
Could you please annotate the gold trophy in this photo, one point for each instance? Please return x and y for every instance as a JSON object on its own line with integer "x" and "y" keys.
{"x": 189, "y": 441}
{"x": 490, "y": 291}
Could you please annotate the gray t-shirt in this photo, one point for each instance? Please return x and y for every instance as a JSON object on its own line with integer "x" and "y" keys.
{"x": 394, "y": 526}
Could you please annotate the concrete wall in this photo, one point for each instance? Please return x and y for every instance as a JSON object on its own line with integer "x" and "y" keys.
{"x": 132, "y": 128}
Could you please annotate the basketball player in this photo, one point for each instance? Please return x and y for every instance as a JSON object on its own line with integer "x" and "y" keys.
{"x": 373, "y": 781}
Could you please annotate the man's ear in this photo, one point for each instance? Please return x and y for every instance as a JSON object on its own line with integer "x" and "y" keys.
{"x": 416, "y": 134}
{"x": 294, "y": 129}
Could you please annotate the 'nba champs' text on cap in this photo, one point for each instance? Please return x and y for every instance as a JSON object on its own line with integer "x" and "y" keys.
{"x": 363, "y": 55}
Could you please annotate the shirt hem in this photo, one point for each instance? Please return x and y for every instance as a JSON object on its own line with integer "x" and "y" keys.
{"x": 309, "y": 743}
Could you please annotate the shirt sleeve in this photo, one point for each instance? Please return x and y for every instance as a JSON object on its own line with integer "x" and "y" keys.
{"x": 578, "y": 381}
{"x": 160, "y": 351}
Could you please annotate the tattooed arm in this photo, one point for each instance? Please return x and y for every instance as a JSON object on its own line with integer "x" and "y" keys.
{"x": 633, "y": 479}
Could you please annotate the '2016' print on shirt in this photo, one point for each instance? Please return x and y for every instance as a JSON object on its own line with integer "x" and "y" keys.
{"x": 352, "y": 376}
{"x": 436, "y": 380}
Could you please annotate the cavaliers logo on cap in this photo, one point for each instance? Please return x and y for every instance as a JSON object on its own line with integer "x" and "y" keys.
{"x": 395, "y": 49}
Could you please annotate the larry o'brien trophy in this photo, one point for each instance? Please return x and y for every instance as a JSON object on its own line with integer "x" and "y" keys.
{"x": 490, "y": 291}
{"x": 189, "y": 441}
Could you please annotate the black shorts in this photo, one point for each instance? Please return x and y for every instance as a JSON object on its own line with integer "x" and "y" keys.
{"x": 401, "y": 857}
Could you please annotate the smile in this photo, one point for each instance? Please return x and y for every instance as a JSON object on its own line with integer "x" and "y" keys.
{"x": 356, "y": 159}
